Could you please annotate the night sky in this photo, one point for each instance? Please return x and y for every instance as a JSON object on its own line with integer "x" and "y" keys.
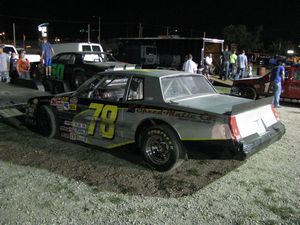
{"x": 280, "y": 19}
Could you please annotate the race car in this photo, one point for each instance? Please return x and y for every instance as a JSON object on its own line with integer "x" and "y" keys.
{"x": 261, "y": 86}
{"x": 161, "y": 112}
{"x": 76, "y": 67}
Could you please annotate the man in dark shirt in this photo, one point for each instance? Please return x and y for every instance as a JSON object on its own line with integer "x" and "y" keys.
{"x": 225, "y": 63}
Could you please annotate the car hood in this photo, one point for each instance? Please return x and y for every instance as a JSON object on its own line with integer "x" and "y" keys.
{"x": 114, "y": 65}
{"x": 215, "y": 103}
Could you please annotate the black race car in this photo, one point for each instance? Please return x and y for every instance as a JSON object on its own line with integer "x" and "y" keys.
{"x": 76, "y": 67}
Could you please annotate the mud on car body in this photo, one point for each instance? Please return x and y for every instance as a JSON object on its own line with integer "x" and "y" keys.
{"x": 161, "y": 111}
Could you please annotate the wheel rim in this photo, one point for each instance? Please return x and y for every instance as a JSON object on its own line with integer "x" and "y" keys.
{"x": 159, "y": 148}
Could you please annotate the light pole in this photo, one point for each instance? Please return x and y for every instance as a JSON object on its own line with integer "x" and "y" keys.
{"x": 99, "y": 21}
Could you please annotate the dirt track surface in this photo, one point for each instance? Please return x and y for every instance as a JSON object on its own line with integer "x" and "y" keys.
{"x": 45, "y": 181}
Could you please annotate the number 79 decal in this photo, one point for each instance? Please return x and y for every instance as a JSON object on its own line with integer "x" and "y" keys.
{"x": 108, "y": 115}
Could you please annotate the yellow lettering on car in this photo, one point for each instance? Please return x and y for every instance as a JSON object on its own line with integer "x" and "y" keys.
{"x": 108, "y": 118}
{"x": 98, "y": 108}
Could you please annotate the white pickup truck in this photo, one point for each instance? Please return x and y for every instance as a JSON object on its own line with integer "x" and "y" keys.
{"x": 33, "y": 58}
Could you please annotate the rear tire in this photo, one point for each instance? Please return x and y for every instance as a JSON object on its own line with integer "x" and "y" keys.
{"x": 46, "y": 122}
{"x": 162, "y": 148}
{"x": 250, "y": 92}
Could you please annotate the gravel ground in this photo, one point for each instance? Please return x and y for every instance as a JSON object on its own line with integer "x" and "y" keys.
{"x": 46, "y": 181}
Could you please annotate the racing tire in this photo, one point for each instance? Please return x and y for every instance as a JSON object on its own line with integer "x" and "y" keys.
{"x": 162, "y": 148}
{"x": 249, "y": 92}
{"x": 46, "y": 122}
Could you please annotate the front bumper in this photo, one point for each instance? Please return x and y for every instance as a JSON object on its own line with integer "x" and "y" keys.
{"x": 249, "y": 145}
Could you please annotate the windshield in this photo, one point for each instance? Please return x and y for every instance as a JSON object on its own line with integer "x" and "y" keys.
{"x": 185, "y": 86}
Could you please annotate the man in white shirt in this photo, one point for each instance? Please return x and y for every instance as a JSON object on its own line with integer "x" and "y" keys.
{"x": 189, "y": 65}
{"x": 208, "y": 63}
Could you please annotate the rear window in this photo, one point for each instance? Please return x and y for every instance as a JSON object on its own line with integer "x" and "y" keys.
{"x": 86, "y": 48}
{"x": 96, "y": 48}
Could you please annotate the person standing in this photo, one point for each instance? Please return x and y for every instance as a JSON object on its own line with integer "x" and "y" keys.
{"x": 4, "y": 65}
{"x": 13, "y": 67}
{"x": 232, "y": 64}
{"x": 278, "y": 75}
{"x": 47, "y": 53}
{"x": 209, "y": 64}
{"x": 23, "y": 66}
{"x": 225, "y": 63}
{"x": 243, "y": 64}
{"x": 189, "y": 65}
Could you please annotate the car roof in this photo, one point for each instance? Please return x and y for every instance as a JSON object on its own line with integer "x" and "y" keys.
{"x": 147, "y": 72}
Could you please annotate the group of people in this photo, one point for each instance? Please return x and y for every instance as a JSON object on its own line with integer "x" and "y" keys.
{"x": 235, "y": 66}
{"x": 13, "y": 67}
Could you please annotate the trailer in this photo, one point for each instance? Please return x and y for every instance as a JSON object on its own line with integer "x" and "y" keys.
{"x": 166, "y": 51}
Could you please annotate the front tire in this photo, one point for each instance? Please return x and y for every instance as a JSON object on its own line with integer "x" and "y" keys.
{"x": 46, "y": 122}
{"x": 162, "y": 148}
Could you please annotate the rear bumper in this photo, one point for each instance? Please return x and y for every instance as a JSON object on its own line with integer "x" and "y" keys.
{"x": 248, "y": 146}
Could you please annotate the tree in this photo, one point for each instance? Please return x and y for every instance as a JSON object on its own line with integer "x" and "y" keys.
{"x": 243, "y": 38}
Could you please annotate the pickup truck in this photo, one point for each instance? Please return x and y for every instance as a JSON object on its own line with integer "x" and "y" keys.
{"x": 33, "y": 58}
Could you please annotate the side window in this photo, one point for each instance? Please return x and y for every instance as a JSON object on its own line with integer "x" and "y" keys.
{"x": 65, "y": 58}
{"x": 111, "y": 88}
{"x": 136, "y": 89}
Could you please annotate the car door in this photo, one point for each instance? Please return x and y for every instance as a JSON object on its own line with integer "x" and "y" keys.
{"x": 62, "y": 66}
{"x": 291, "y": 86}
{"x": 99, "y": 114}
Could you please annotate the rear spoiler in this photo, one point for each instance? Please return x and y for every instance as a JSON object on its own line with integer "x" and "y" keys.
{"x": 251, "y": 105}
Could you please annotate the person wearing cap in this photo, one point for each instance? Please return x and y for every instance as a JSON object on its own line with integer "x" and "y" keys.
{"x": 4, "y": 65}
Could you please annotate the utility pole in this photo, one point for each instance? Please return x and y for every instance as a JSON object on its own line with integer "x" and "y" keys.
{"x": 14, "y": 33}
{"x": 168, "y": 31}
{"x": 89, "y": 33}
{"x": 140, "y": 30}
{"x": 99, "y": 21}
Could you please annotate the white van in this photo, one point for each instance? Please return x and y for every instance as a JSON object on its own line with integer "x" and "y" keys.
{"x": 77, "y": 47}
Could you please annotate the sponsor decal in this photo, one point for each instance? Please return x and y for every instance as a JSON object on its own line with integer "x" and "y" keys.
{"x": 203, "y": 117}
{"x": 68, "y": 123}
{"x": 80, "y": 131}
{"x": 73, "y": 100}
{"x": 66, "y": 129}
{"x": 66, "y": 105}
{"x": 73, "y": 107}
{"x": 81, "y": 138}
{"x": 79, "y": 125}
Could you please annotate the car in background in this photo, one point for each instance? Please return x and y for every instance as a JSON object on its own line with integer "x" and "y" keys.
{"x": 76, "y": 67}
{"x": 162, "y": 112}
{"x": 261, "y": 86}
{"x": 77, "y": 47}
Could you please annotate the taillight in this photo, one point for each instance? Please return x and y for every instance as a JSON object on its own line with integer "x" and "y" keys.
{"x": 234, "y": 128}
{"x": 275, "y": 112}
